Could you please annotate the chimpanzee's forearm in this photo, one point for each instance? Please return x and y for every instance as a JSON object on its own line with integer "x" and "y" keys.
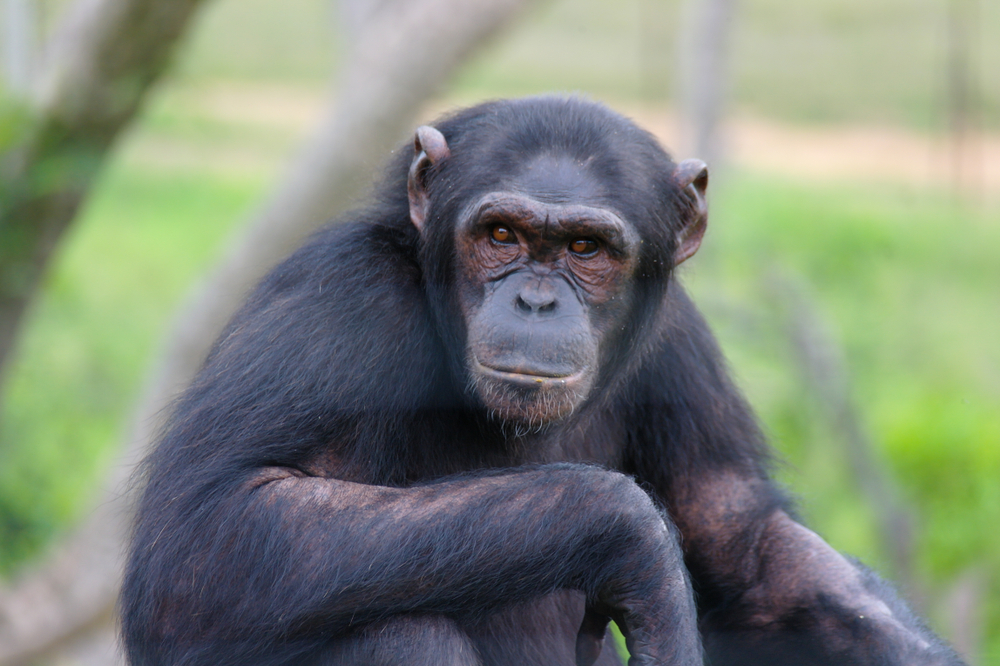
{"x": 775, "y": 590}
{"x": 505, "y": 537}
{"x": 809, "y": 604}
{"x": 345, "y": 553}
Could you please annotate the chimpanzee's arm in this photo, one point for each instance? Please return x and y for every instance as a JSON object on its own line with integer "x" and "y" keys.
{"x": 285, "y": 559}
{"x": 769, "y": 590}
{"x": 776, "y": 593}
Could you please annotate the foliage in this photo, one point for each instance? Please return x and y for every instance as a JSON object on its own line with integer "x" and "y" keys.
{"x": 907, "y": 282}
{"x": 142, "y": 240}
{"x": 15, "y": 119}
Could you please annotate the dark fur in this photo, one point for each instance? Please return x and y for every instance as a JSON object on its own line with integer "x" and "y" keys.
{"x": 346, "y": 362}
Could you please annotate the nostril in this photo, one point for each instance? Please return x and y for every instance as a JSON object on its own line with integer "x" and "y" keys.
{"x": 529, "y": 304}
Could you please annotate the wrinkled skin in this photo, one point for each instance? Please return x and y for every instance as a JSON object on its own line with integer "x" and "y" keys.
{"x": 541, "y": 301}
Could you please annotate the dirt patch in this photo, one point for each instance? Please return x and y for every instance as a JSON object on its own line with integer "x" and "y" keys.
{"x": 279, "y": 107}
{"x": 824, "y": 153}
{"x": 848, "y": 153}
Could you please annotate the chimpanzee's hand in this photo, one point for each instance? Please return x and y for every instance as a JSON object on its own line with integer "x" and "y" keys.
{"x": 647, "y": 592}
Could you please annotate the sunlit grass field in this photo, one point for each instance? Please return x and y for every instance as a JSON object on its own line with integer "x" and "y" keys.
{"x": 882, "y": 61}
{"x": 906, "y": 282}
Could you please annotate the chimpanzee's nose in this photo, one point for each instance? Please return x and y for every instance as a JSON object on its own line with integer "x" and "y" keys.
{"x": 536, "y": 298}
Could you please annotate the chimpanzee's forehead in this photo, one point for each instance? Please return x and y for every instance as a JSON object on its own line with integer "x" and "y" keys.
{"x": 557, "y": 178}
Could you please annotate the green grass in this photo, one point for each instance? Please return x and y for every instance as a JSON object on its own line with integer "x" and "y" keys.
{"x": 141, "y": 241}
{"x": 821, "y": 61}
{"x": 826, "y": 60}
{"x": 908, "y": 285}
{"x": 292, "y": 40}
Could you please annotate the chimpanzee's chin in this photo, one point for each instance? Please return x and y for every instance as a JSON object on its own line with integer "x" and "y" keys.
{"x": 529, "y": 402}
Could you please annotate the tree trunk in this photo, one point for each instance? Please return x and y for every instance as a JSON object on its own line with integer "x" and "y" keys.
{"x": 20, "y": 28}
{"x": 706, "y": 34}
{"x": 964, "y": 97}
{"x": 824, "y": 371}
{"x": 102, "y": 60}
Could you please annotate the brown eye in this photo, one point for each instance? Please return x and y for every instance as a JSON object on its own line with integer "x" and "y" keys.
{"x": 583, "y": 246}
{"x": 502, "y": 234}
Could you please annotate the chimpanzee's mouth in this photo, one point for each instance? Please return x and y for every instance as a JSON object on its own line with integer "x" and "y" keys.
{"x": 529, "y": 396}
{"x": 530, "y": 377}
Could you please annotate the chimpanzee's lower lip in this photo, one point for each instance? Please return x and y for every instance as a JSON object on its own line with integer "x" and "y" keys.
{"x": 529, "y": 378}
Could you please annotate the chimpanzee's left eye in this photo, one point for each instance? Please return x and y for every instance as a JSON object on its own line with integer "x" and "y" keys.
{"x": 502, "y": 235}
{"x": 583, "y": 246}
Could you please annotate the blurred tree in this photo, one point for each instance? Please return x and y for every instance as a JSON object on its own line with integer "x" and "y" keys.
{"x": 964, "y": 99}
{"x": 19, "y": 51}
{"x": 704, "y": 43}
{"x": 100, "y": 63}
{"x": 820, "y": 360}
{"x": 102, "y": 59}
{"x": 401, "y": 53}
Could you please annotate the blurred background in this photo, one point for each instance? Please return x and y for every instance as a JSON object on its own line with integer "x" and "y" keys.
{"x": 157, "y": 156}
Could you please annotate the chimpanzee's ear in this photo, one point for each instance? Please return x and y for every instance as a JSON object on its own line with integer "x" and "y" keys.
{"x": 692, "y": 177}
{"x": 429, "y": 148}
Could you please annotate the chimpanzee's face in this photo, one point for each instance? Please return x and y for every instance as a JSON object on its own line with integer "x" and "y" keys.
{"x": 545, "y": 271}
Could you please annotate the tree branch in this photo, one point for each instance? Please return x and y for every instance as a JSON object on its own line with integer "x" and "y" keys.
{"x": 825, "y": 374}
{"x": 102, "y": 60}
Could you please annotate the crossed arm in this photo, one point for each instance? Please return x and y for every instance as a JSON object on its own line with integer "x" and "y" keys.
{"x": 306, "y": 555}
{"x": 774, "y": 592}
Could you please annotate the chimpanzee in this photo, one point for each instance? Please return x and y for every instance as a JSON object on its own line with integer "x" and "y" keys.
{"x": 477, "y": 420}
